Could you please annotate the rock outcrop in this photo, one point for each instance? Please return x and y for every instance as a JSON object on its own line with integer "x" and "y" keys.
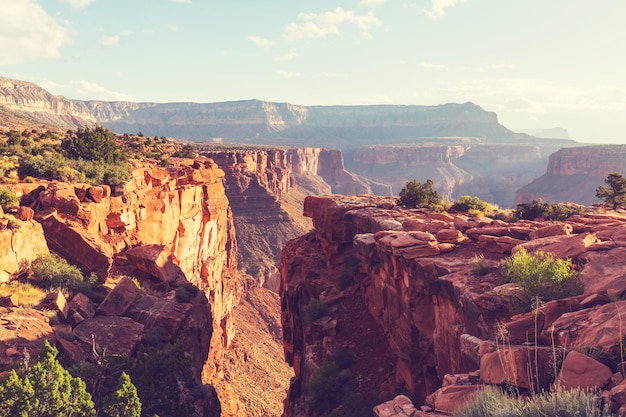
{"x": 573, "y": 174}
{"x": 447, "y": 329}
{"x": 182, "y": 211}
{"x": 22, "y": 242}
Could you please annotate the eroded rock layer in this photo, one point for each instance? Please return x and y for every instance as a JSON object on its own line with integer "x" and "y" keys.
{"x": 573, "y": 174}
{"x": 435, "y": 323}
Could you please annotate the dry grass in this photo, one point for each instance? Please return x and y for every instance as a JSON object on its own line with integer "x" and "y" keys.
{"x": 21, "y": 294}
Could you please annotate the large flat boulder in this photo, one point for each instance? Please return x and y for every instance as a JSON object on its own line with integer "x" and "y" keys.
{"x": 581, "y": 371}
{"x": 115, "y": 335}
{"x": 156, "y": 260}
{"x": 160, "y": 315}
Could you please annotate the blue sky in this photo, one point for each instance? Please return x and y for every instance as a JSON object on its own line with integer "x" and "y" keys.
{"x": 536, "y": 63}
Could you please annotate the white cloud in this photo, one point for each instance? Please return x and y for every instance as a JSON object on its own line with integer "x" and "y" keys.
{"x": 183, "y": 1}
{"x": 28, "y": 33}
{"x": 532, "y": 96}
{"x": 78, "y": 4}
{"x": 110, "y": 40}
{"x": 259, "y": 41}
{"x": 431, "y": 65}
{"x": 288, "y": 56}
{"x": 288, "y": 74}
{"x": 173, "y": 28}
{"x": 115, "y": 39}
{"x": 314, "y": 25}
{"x": 438, "y": 7}
{"x": 372, "y": 3}
{"x": 97, "y": 92}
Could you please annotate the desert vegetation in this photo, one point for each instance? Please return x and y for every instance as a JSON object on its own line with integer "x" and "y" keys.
{"x": 541, "y": 275}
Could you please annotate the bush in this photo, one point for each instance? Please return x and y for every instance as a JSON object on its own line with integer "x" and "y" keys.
{"x": 315, "y": 310}
{"x": 539, "y": 209}
{"x": 97, "y": 144}
{"x": 8, "y": 199}
{"x": 480, "y": 266}
{"x": 50, "y": 271}
{"x": 467, "y": 203}
{"x": 491, "y": 402}
{"x": 541, "y": 275}
{"x": 414, "y": 194}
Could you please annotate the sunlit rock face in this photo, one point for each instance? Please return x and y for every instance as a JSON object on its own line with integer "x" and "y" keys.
{"x": 573, "y": 174}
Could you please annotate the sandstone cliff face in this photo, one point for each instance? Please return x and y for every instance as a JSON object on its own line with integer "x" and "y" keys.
{"x": 490, "y": 172}
{"x": 437, "y": 317}
{"x": 573, "y": 174}
{"x": 20, "y": 246}
{"x": 181, "y": 211}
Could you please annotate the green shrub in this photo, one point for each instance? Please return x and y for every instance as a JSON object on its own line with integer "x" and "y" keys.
{"x": 50, "y": 271}
{"x": 491, "y": 402}
{"x": 466, "y": 203}
{"x": 415, "y": 194}
{"x": 539, "y": 209}
{"x": 541, "y": 275}
{"x": 315, "y": 310}
{"x": 8, "y": 199}
{"x": 97, "y": 144}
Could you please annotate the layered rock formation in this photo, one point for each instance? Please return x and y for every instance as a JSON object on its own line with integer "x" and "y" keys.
{"x": 255, "y": 121}
{"x": 266, "y": 188}
{"x": 491, "y": 172}
{"x": 178, "y": 220}
{"x": 573, "y": 174}
{"x": 438, "y": 318}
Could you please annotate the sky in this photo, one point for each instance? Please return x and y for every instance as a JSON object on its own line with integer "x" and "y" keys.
{"x": 536, "y": 63}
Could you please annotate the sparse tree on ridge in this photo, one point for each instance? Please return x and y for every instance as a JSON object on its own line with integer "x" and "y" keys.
{"x": 415, "y": 194}
{"x": 614, "y": 193}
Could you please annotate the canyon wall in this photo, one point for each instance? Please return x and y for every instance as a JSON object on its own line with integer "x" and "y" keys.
{"x": 573, "y": 174}
{"x": 266, "y": 188}
{"x": 178, "y": 217}
{"x": 490, "y": 171}
{"x": 255, "y": 121}
{"x": 434, "y": 323}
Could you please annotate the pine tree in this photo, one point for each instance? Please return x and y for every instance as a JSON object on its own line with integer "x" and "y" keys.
{"x": 615, "y": 193}
{"x": 47, "y": 390}
{"x": 15, "y": 396}
{"x": 124, "y": 402}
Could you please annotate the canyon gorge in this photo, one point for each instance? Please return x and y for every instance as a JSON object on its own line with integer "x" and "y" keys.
{"x": 231, "y": 253}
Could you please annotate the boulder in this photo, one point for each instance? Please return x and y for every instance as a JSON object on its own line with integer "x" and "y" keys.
{"x": 526, "y": 367}
{"x": 60, "y": 196}
{"x": 552, "y": 230}
{"x": 449, "y": 399}
{"x": 160, "y": 315}
{"x": 581, "y": 371}
{"x": 111, "y": 334}
{"x": 23, "y": 329}
{"x": 450, "y": 236}
{"x": 155, "y": 260}
{"x": 117, "y": 301}
{"x": 55, "y": 301}
{"x": 564, "y": 246}
{"x": 81, "y": 304}
{"x": 77, "y": 246}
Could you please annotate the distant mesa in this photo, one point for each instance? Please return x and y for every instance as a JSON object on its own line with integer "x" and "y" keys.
{"x": 547, "y": 133}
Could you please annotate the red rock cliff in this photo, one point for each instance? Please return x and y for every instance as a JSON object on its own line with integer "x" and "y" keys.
{"x": 573, "y": 174}
{"x": 428, "y": 312}
{"x": 183, "y": 210}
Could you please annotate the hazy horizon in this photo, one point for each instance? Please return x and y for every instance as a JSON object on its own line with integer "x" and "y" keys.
{"x": 538, "y": 65}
